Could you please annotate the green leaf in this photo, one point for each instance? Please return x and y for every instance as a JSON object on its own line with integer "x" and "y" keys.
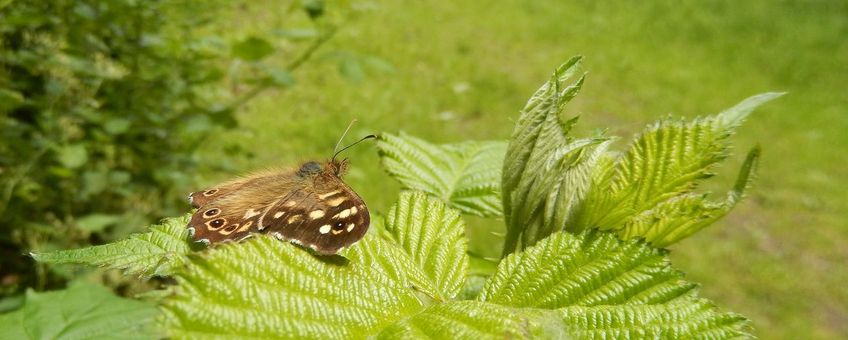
{"x": 684, "y": 215}
{"x": 93, "y": 223}
{"x": 434, "y": 237}
{"x": 252, "y": 49}
{"x": 296, "y": 33}
{"x": 265, "y": 288}
{"x": 158, "y": 252}
{"x": 464, "y": 175}
{"x": 278, "y": 76}
{"x": 117, "y": 125}
{"x": 73, "y": 156}
{"x": 10, "y": 303}
{"x": 396, "y": 283}
{"x": 691, "y": 319}
{"x": 351, "y": 68}
{"x": 314, "y": 8}
{"x": 9, "y": 99}
{"x": 477, "y": 320}
{"x": 589, "y": 269}
{"x": 650, "y": 192}
{"x": 83, "y": 311}
{"x": 547, "y": 174}
{"x": 603, "y": 287}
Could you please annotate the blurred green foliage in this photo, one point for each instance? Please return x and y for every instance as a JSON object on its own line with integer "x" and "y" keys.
{"x": 102, "y": 104}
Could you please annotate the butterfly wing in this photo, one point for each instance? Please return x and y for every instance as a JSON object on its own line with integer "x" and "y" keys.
{"x": 201, "y": 198}
{"x": 233, "y": 210}
{"x": 312, "y": 207}
{"x": 326, "y": 218}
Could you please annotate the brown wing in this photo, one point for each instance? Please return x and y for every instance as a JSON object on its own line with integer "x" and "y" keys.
{"x": 199, "y": 199}
{"x": 236, "y": 208}
{"x": 326, "y": 218}
{"x": 311, "y": 207}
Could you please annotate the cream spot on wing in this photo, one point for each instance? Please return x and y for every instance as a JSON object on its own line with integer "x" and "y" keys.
{"x": 290, "y": 203}
{"x": 336, "y": 232}
{"x": 245, "y": 226}
{"x": 294, "y": 218}
{"x": 350, "y": 227}
{"x": 342, "y": 214}
{"x": 277, "y": 235}
{"x": 324, "y": 229}
{"x": 353, "y": 210}
{"x": 250, "y": 213}
{"x": 336, "y": 201}
{"x": 331, "y": 193}
{"x": 316, "y": 214}
{"x": 279, "y": 213}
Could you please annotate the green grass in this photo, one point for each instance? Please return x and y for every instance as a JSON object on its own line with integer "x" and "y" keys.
{"x": 462, "y": 69}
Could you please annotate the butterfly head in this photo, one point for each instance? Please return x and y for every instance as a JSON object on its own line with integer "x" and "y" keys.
{"x": 332, "y": 168}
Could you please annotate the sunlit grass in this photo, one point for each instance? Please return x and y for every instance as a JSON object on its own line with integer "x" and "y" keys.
{"x": 463, "y": 69}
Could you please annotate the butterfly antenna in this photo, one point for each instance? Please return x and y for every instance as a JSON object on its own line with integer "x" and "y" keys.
{"x": 347, "y": 147}
{"x": 336, "y": 148}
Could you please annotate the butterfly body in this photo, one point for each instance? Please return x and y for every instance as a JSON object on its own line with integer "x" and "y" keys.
{"x": 310, "y": 206}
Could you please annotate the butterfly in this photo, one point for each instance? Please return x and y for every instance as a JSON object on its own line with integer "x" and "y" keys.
{"x": 310, "y": 206}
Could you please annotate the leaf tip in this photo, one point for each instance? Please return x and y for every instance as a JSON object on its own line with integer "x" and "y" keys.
{"x": 736, "y": 114}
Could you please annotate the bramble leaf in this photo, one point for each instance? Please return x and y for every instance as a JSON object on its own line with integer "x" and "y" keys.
{"x": 83, "y": 311}
{"x": 159, "y": 251}
{"x": 546, "y": 173}
{"x": 681, "y": 216}
{"x": 650, "y": 194}
{"x": 603, "y": 287}
{"x": 267, "y": 288}
{"x": 554, "y": 182}
{"x": 477, "y": 320}
{"x": 464, "y": 175}
{"x": 399, "y": 282}
{"x": 689, "y": 319}
{"x": 589, "y": 269}
{"x": 434, "y": 237}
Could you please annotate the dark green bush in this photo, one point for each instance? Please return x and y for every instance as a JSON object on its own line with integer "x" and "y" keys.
{"x": 101, "y": 106}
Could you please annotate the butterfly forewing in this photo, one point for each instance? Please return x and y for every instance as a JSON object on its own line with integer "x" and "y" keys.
{"x": 310, "y": 206}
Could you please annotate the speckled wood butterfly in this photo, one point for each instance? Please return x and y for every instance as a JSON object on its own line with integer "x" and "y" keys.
{"x": 310, "y": 206}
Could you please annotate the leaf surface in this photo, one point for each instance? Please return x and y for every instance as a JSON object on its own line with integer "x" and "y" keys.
{"x": 157, "y": 252}
{"x": 589, "y": 269}
{"x": 650, "y": 191}
{"x": 464, "y": 175}
{"x": 265, "y": 288}
{"x": 83, "y": 311}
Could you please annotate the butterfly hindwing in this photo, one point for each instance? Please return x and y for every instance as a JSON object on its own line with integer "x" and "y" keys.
{"x": 328, "y": 219}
